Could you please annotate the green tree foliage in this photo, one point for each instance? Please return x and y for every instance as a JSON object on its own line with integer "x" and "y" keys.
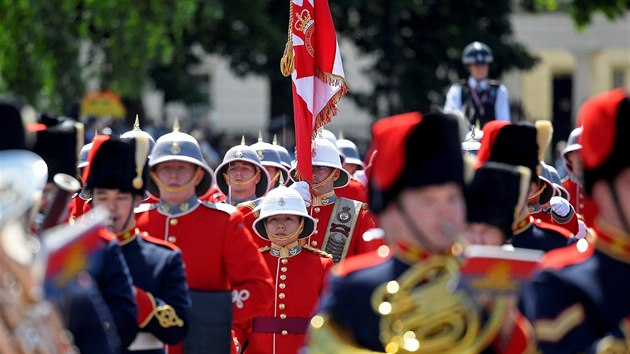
{"x": 582, "y": 11}
{"x": 49, "y": 49}
{"x": 417, "y": 45}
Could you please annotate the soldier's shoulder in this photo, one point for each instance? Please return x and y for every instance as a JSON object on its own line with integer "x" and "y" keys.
{"x": 567, "y": 256}
{"x": 360, "y": 262}
{"x": 158, "y": 242}
{"x": 554, "y": 229}
{"x": 145, "y": 207}
{"x": 317, "y": 251}
{"x": 494, "y": 83}
{"x": 222, "y": 207}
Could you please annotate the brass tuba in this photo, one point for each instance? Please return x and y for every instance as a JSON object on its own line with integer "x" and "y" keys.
{"x": 28, "y": 323}
{"x": 421, "y": 312}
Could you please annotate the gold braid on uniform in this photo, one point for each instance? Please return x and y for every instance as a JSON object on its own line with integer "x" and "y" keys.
{"x": 167, "y": 317}
{"x": 264, "y": 249}
{"x": 317, "y": 251}
{"x": 420, "y": 312}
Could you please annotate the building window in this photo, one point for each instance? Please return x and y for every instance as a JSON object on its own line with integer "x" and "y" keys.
{"x": 618, "y": 77}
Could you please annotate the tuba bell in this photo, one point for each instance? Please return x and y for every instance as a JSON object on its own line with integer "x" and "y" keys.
{"x": 28, "y": 323}
{"x": 421, "y": 312}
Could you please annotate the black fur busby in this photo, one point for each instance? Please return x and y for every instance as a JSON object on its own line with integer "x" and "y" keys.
{"x": 496, "y": 194}
{"x": 118, "y": 164}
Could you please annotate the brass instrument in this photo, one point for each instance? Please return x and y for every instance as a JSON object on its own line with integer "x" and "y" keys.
{"x": 421, "y": 312}
{"x": 28, "y": 323}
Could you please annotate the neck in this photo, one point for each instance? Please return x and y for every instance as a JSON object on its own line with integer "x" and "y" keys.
{"x": 178, "y": 198}
{"x": 243, "y": 195}
{"x": 289, "y": 250}
{"x": 324, "y": 199}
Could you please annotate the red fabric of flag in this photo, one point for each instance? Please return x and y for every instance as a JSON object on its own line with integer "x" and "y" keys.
{"x": 317, "y": 74}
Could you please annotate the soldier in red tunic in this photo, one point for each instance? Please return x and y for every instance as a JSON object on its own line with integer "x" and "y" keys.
{"x": 299, "y": 272}
{"x": 341, "y": 222}
{"x": 227, "y": 276}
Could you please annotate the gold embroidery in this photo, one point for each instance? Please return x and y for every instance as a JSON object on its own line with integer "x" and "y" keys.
{"x": 555, "y": 329}
{"x": 167, "y": 317}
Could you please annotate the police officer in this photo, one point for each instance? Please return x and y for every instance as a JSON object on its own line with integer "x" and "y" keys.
{"x": 298, "y": 270}
{"x": 117, "y": 179}
{"x": 341, "y": 222}
{"x": 397, "y": 300}
{"x": 227, "y": 276}
{"x": 579, "y": 302}
{"x": 478, "y": 98}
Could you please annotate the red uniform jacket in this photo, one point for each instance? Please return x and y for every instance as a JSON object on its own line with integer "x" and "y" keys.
{"x": 322, "y": 210}
{"x": 581, "y": 202}
{"x": 299, "y": 281}
{"x": 218, "y": 251}
{"x": 354, "y": 190}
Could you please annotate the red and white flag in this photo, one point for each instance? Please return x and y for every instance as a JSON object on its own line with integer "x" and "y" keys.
{"x": 313, "y": 60}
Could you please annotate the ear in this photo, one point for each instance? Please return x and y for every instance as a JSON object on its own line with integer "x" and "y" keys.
{"x": 259, "y": 176}
{"x": 337, "y": 174}
{"x": 199, "y": 174}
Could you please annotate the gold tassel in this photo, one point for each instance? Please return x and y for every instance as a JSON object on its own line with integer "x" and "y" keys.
{"x": 287, "y": 63}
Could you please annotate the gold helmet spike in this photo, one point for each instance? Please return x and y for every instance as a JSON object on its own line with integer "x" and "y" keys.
{"x": 242, "y": 139}
{"x": 176, "y": 125}
{"x": 136, "y": 124}
{"x": 260, "y": 137}
{"x": 95, "y": 133}
{"x": 275, "y": 140}
{"x": 340, "y": 135}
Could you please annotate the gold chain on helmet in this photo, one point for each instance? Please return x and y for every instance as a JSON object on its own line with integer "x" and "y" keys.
{"x": 421, "y": 313}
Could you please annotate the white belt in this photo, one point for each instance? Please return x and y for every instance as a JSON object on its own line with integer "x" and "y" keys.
{"x": 145, "y": 341}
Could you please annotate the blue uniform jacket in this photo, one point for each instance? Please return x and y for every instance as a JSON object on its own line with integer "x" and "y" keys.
{"x": 157, "y": 268}
{"x": 114, "y": 283}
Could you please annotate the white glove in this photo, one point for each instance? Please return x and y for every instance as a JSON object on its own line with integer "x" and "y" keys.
{"x": 582, "y": 230}
{"x": 560, "y": 206}
{"x": 304, "y": 190}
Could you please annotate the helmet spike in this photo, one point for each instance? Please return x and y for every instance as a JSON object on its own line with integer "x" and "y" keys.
{"x": 340, "y": 135}
{"x": 260, "y": 137}
{"x": 176, "y": 125}
{"x": 243, "y": 139}
{"x": 136, "y": 124}
{"x": 275, "y": 140}
{"x": 95, "y": 133}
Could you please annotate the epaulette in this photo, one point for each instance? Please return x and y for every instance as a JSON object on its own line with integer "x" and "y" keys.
{"x": 364, "y": 260}
{"x": 317, "y": 251}
{"x": 252, "y": 205}
{"x": 224, "y": 207}
{"x": 159, "y": 242}
{"x": 566, "y": 256}
{"x": 264, "y": 249}
{"x": 145, "y": 207}
{"x": 559, "y": 229}
{"x": 566, "y": 178}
